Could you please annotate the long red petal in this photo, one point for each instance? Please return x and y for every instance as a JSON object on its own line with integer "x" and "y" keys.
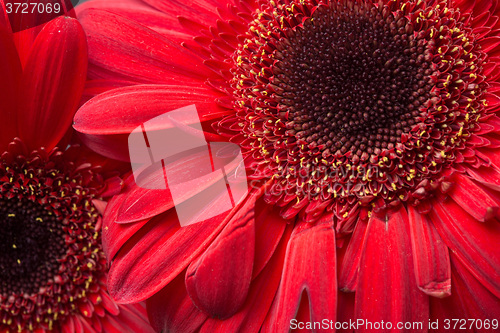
{"x": 269, "y": 228}
{"x": 260, "y": 297}
{"x": 123, "y": 49}
{"x": 474, "y": 199}
{"x": 154, "y": 256}
{"x": 310, "y": 265}
{"x": 171, "y": 309}
{"x": 52, "y": 83}
{"x": 10, "y": 77}
{"x": 349, "y": 270}
{"x": 116, "y": 111}
{"x": 430, "y": 256}
{"x": 474, "y": 243}
{"x": 218, "y": 282}
{"x": 387, "y": 290}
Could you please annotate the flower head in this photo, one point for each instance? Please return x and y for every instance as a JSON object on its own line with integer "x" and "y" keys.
{"x": 365, "y": 125}
{"x": 52, "y": 266}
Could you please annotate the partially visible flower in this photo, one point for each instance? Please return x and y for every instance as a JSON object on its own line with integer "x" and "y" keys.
{"x": 371, "y": 134}
{"x": 52, "y": 266}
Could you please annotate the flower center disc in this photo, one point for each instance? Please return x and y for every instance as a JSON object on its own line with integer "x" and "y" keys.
{"x": 351, "y": 81}
{"x": 30, "y": 244}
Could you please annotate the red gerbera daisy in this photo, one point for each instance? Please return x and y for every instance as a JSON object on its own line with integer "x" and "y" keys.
{"x": 371, "y": 135}
{"x": 52, "y": 266}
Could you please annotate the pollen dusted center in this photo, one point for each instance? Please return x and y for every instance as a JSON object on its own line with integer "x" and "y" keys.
{"x": 351, "y": 81}
{"x": 31, "y": 242}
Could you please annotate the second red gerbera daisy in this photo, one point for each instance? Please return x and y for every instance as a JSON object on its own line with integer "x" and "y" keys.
{"x": 52, "y": 266}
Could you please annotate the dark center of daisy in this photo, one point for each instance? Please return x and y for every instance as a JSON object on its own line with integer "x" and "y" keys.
{"x": 31, "y": 241}
{"x": 352, "y": 81}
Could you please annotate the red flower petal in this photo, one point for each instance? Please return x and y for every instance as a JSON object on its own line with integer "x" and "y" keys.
{"x": 387, "y": 289}
{"x": 310, "y": 265}
{"x": 171, "y": 309}
{"x": 349, "y": 271}
{"x": 140, "y": 12}
{"x": 156, "y": 255}
{"x": 218, "y": 282}
{"x": 260, "y": 297}
{"x": 473, "y": 198}
{"x": 162, "y": 250}
{"x": 475, "y": 244}
{"x": 114, "y": 235}
{"x": 124, "y": 49}
{"x": 10, "y": 76}
{"x": 141, "y": 203}
{"x": 111, "y": 146}
{"x": 430, "y": 256}
{"x": 269, "y": 228}
{"x": 101, "y": 115}
{"x": 480, "y": 302}
{"x": 203, "y": 11}
{"x": 52, "y": 83}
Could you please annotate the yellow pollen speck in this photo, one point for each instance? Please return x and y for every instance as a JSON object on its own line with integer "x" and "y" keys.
{"x": 14, "y": 246}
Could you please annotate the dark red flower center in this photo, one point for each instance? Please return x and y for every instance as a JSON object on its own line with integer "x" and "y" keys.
{"x": 351, "y": 80}
{"x": 51, "y": 259}
{"x": 31, "y": 242}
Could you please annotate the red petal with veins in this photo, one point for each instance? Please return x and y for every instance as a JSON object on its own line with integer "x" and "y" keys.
{"x": 141, "y": 203}
{"x": 269, "y": 228}
{"x": 156, "y": 254}
{"x": 349, "y": 270}
{"x": 218, "y": 282}
{"x": 387, "y": 289}
{"x": 474, "y": 243}
{"x": 10, "y": 76}
{"x": 171, "y": 309}
{"x": 475, "y": 200}
{"x": 52, "y": 83}
{"x": 115, "y": 112}
{"x": 260, "y": 297}
{"x": 430, "y": 256}
{"x": 481, "y": 303}
{"x": 167, "y": 25}
{"x": 135, "y": 52}
{"x": 310, "y": 265}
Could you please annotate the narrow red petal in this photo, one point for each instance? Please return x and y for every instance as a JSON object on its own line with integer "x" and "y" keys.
{"x": 10, "y": 76}
{"x": 124, "y": 49}
{"x": 218, "y": 282}
{"x": 480, "y": 302}
{"x": 260, "y": 297}
{"x": 171, "y": 309}
{"x": 387, "y": 290}
{"x": 349, "y": 270}
{"x": 474, "y": 243}
{"x": 140, "y": 12}
{"x": 269, "y": 228}
{"x": 143, "y": 202}
{"x": 52, "y": 83}
{"x": 310, "y": 265}
{"x": 102, "y": 116}
{"x": 430, "y": 256}
{"x": 473, "y": 198}
{"x": 155, "y": 255}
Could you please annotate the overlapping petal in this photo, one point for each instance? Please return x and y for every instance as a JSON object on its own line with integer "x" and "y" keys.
{"x": 52, "y": 83}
